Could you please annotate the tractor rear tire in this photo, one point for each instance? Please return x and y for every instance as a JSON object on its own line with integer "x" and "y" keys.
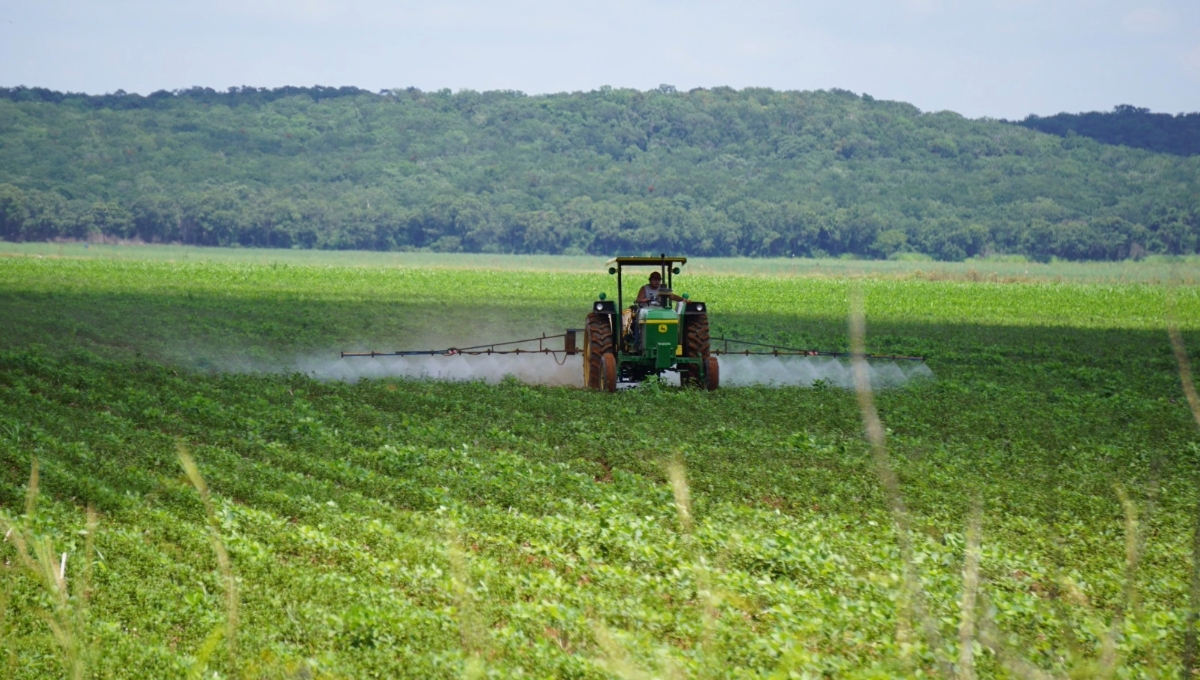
{"x": 712, "y": 373}
{"x": 597, "y": 342}
{"x": 695, "y": 344}
{"x": 608, "y": 378}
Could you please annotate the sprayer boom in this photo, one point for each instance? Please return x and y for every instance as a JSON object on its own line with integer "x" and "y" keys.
{"x": 568, "y": 348}
{"x": 660, "y": 332}
{"x": 779, "y": 351}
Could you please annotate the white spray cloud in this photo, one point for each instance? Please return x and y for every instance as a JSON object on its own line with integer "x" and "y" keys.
{"x": 740, "y": 371}
{"x": 736, "y": 371}
{"x": 537, "y": 369}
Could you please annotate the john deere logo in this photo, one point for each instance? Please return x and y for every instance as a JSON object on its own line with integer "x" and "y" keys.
{"x": 662, "y": 328}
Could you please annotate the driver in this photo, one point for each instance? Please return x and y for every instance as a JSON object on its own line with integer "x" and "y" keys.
{"x": 649, "y": 292}
{"x": 646, "y": 294}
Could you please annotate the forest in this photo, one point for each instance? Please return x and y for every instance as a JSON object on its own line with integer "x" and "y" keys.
{"x": 1129, "y": 126}
{"x": 715, "y": 172}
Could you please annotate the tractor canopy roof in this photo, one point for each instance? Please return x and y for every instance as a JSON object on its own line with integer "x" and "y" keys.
{"x": 662, "y": 261}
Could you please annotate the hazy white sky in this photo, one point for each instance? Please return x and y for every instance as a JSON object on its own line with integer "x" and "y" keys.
{"x": 998, "y": 58}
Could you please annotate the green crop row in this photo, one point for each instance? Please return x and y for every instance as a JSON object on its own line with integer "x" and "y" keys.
{"x": 393, "y": 528}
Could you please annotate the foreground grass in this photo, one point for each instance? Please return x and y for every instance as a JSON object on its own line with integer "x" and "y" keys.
{"x": 393, "y": 528}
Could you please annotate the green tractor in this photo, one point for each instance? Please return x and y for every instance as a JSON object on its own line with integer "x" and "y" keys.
{"x": 628, "y": 345}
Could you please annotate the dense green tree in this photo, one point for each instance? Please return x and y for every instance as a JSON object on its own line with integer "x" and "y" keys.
{"x": 1129, "y": 126}
{"x": 708, "y": 172}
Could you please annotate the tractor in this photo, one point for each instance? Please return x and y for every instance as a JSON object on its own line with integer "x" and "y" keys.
{"x": 628, "y": 345}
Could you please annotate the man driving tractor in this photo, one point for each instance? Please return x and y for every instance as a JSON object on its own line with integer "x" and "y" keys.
{"x": 647, "y": 295}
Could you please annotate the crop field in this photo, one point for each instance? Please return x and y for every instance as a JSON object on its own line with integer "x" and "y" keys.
{"x": 203, "y": 508}
{"x": 1153, "y": 269}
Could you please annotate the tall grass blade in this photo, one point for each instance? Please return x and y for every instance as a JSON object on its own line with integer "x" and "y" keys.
{"x": 966, "y": 625}
{"x": 66, "y": 617}
{"x": 6, "y": 637}
{"x": 207, "y": 649}
{"x": 1181, "y": 357}
{"x": 472, "y": 631}
{"x": 913, "y": 607}
{"x": 1191, "y": 645}
{"x": 708, "y": 597}
{"x": 1190, "y": 651}
{"x": 1132, "y": 549}
{"x": 223, "y": 562}
{"x": 89, "y": 555}
{"x": 991, "y": 638}
{"x": 31, "y": 491}
{"x": 683, "y": 498}
{"x": 615, "y": 658}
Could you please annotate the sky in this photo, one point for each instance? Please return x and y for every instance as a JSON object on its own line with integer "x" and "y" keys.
{"x": 980, "y": 58}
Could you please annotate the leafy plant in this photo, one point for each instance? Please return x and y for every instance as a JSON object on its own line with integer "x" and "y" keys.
{"x": 414, "y": 528}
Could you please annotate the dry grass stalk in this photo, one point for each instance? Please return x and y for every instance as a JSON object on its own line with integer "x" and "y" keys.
{"x": 67, "y": 617}
{"x": 472, "y": 631}
{"x": 1108, "y": 661}
{"x": 1190, "y": 651}
{"x": 913, "y": 605}
{"x": 615, "y": 658}
{"x": 31, "y": 491}
{"x": 223, "y": 562}
{"x": 5, "y": 637}
{"x": 89, "y": 552}
{"x": 705, "y": 593}
{"x": 991, "y": 638}
{"x": 1185, "y": 363}
{"x": 1191, "y": 646}
{"x": 207, "y": 649}
{"x": 966, "y": 625}
{"x": 683, "y": 497}
{"x": 1132, "y": 549}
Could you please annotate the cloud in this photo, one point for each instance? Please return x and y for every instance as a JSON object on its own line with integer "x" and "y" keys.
{"x": 922, "y": 6}
{"x": 1191, "y": 61}
{"x": 762, "y": 47}
{"x": 1148, "y": 20}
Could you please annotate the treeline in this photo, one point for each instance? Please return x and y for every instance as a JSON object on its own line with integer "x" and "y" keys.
{"x": 707, "y": 172}
{"x": 1129, "y": 126}
{"x": 122, "y": 100}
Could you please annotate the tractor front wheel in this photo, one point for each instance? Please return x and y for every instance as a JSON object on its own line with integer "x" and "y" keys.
{"x": 712, "y": 373}
{"x": 608, "y": 379}
{"x": 597, "y": 343}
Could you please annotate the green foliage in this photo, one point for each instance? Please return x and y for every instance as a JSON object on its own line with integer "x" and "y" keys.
{"x": 394, "y": 528}
{"x": 723, "y": 172}
{"x": 1129, "y": 126}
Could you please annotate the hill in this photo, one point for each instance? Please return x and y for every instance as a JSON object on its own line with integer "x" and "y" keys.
{"x": 711, "y": 172}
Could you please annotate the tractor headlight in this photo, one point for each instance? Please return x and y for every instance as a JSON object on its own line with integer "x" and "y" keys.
{"x": 599, "y": 306}
{"x": 700, "y": 307}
